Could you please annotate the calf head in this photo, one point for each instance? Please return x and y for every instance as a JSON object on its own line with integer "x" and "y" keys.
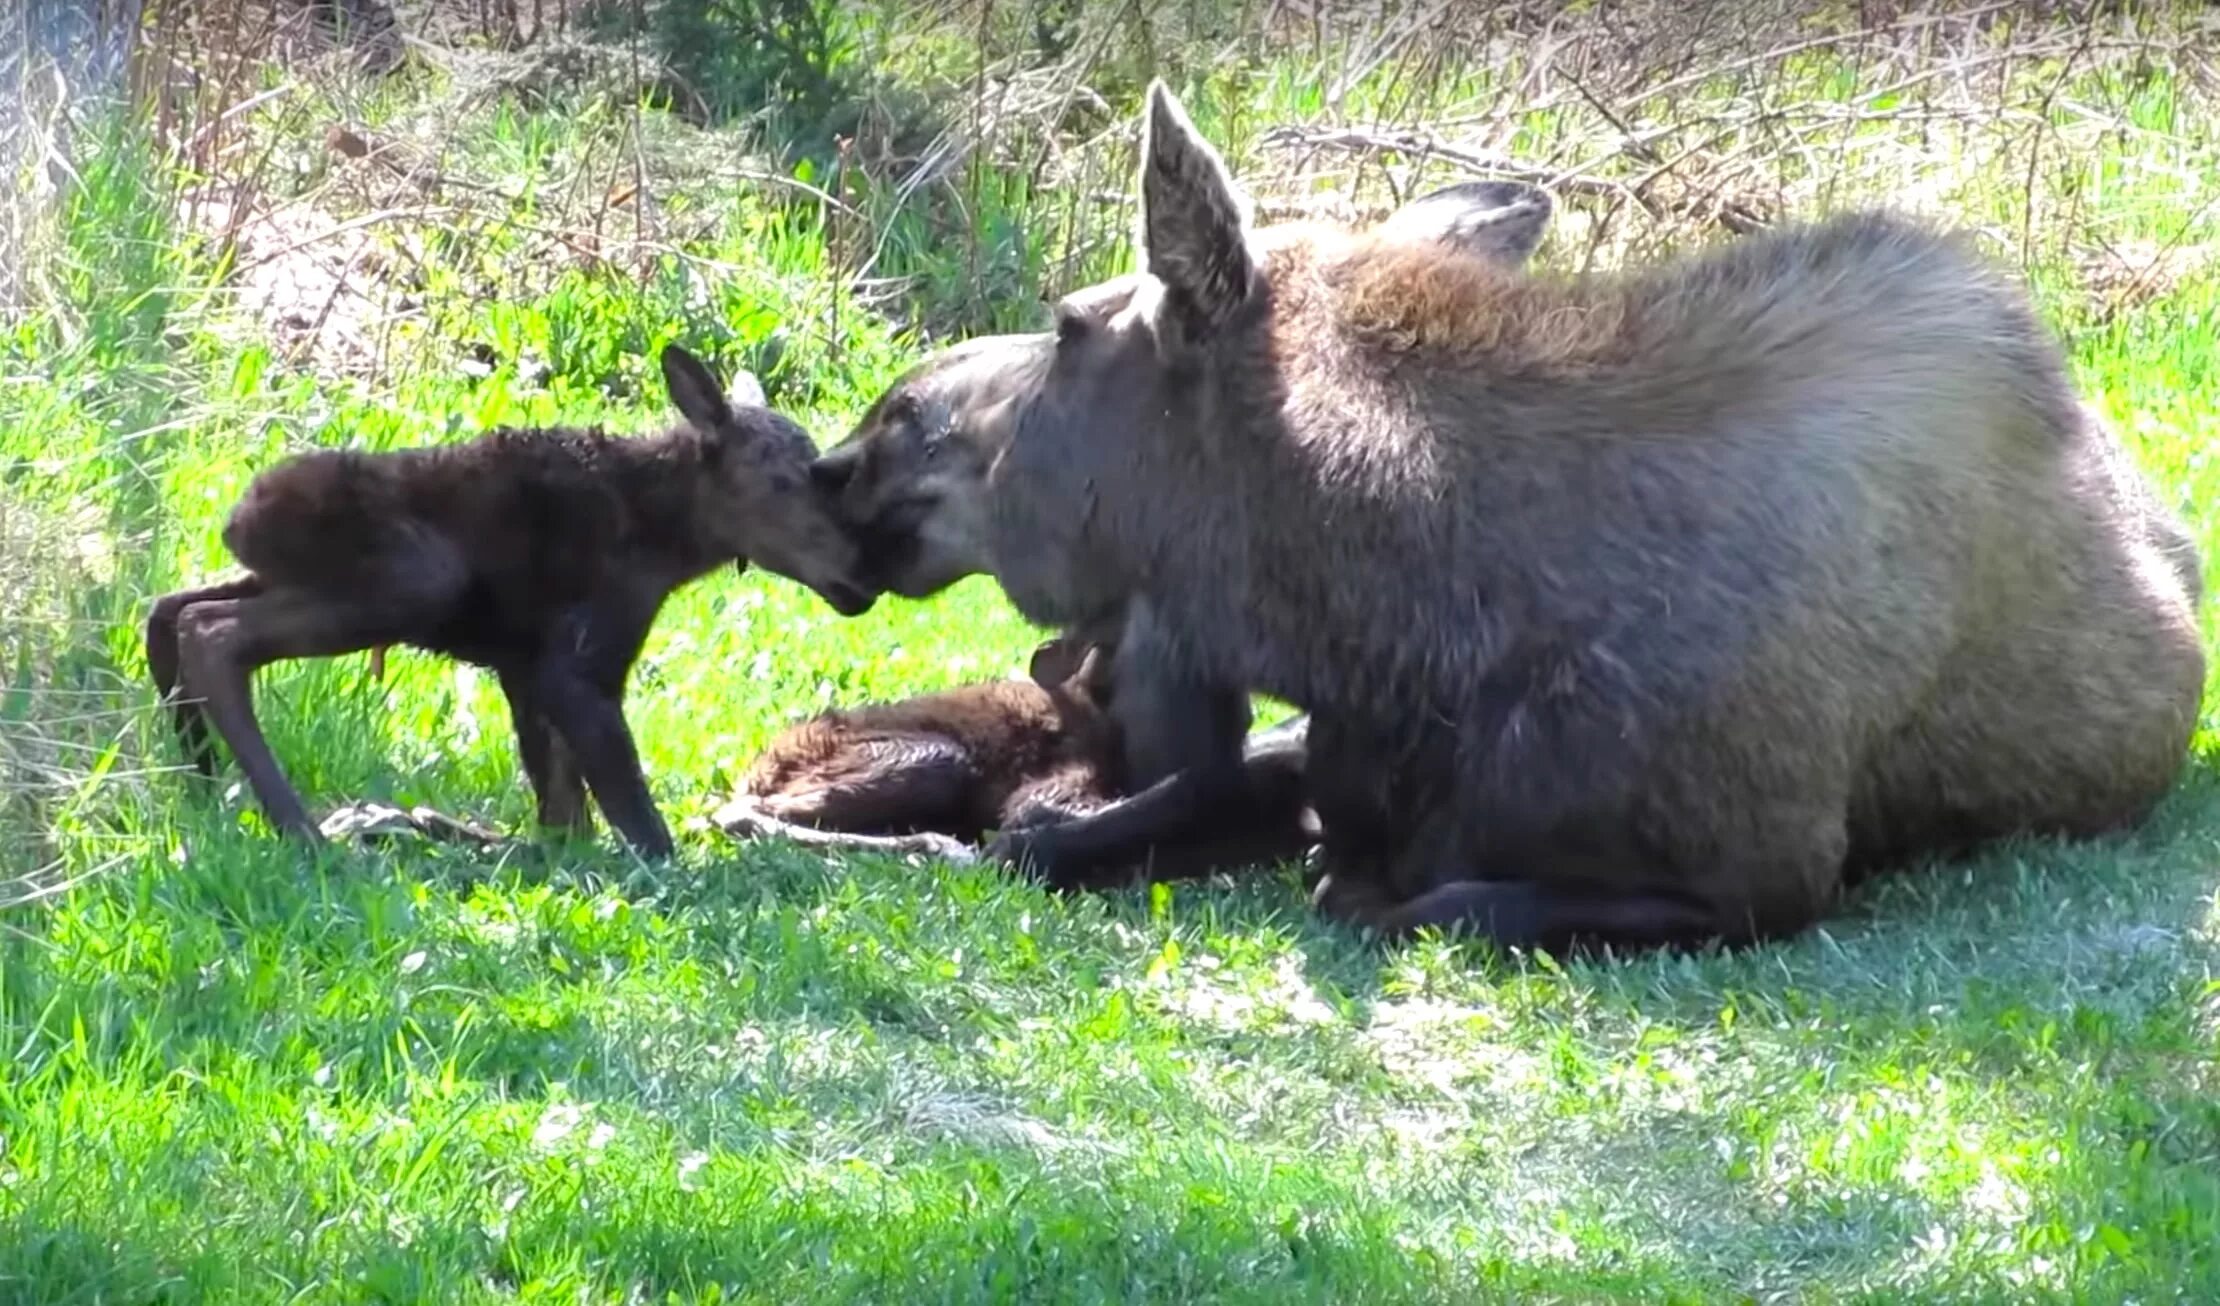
{"x": 1014, "y": 454}
{"x": 757, "y": 501}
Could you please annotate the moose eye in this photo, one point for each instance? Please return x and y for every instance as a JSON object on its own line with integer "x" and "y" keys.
{"x": 1070, "y": 326}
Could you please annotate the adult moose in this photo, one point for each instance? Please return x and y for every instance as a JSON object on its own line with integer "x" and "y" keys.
{"x": 1646, "y": 608}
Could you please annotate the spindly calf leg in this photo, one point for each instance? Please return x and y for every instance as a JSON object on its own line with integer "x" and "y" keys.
{"x": 556, "y": 784}
{"x": 183, "y": 700}
{"x": 223, "y": 642}
{"x": 744, "y": 818}
{"x": 591, "y": 721}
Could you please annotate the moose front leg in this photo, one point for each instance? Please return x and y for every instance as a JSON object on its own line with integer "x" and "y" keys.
{"x": 591, "y": 720}
{"x": 1195, "y": 822}
{"x": 556, "y": 783}
{"x": 181, "y": 700}
{"x": 1182, "y": 737}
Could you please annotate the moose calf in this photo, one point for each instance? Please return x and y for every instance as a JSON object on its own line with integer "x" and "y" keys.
{"x": 934, "y": 773}
{"x": 949, "y": 765}
{"x": 543, "y": 555}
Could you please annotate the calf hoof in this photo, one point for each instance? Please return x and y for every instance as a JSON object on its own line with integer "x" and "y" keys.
{"x": 944, "y": 848}
{"x": 744, "y": 817}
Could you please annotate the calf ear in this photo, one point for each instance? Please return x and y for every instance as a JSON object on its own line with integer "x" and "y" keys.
{"x": 695, "y": 391}
{"x": 1055, "y": 661}
{"x": 1499, "y": 220}
{"x": 1194, "y": 220}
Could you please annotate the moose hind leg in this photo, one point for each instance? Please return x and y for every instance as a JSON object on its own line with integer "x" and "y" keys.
{"x": 1780, "y": 870}
{"x": 178, "y": 698}
{"x": 1545, "y": 916}
{"x": 223, "y": 642}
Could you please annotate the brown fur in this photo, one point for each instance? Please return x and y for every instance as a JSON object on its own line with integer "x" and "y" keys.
{"x": 932, "y": 774}
{"x": 959, "y": 762}
{"x": 1644, "y": 608}
{"x": 541, "y": 554}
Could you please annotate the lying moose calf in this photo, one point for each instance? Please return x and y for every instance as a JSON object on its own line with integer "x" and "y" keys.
{"x": 543, "y": 555}
{"x": 935, "y": 773}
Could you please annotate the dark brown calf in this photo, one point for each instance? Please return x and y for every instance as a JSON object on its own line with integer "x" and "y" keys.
{"x": 543, "y": 555}
{"x": 935, "y": 773}
{"x": 950, "y": 765}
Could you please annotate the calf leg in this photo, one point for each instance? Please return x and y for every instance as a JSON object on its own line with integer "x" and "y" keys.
{"x": 223, "y": 642}
{"x": 560, "y": 790}
{"x": 162, "y": 659}
{"x": 743, "y": 817}
{"x": 591, "y": 721}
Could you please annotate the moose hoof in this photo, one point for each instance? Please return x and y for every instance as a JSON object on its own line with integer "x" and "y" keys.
{"x": 1032, "y": 853}
{"x": 1022, "y": 850}
{"x": 1353, "y": 900}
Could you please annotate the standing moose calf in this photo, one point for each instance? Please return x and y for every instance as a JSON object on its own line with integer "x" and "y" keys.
{"x": 543, "y": 555}
{"x": 1647, "y": 608}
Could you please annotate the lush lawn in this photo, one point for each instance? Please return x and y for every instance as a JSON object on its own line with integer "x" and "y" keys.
{"x": 232, "y": 1072}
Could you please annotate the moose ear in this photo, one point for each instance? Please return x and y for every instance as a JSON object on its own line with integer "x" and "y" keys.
{"x": 694, "y": 390}
{"x": 1194, "y": 220}
{"x": 1054, "y": 662}
{"x": 1499, "y": 220}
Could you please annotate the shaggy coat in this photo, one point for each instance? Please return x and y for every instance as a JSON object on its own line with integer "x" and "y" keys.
{"x": 935, "y": 773}
{"x": 959, "y": 762}
{"x": 543, "y": 555}
{"x": 1642, "y": 608}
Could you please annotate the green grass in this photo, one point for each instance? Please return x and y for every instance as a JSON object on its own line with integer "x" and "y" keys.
{"x": 233, "y": 1072}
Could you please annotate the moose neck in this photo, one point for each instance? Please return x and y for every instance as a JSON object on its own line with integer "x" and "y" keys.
{"x": 660, "y": 478}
